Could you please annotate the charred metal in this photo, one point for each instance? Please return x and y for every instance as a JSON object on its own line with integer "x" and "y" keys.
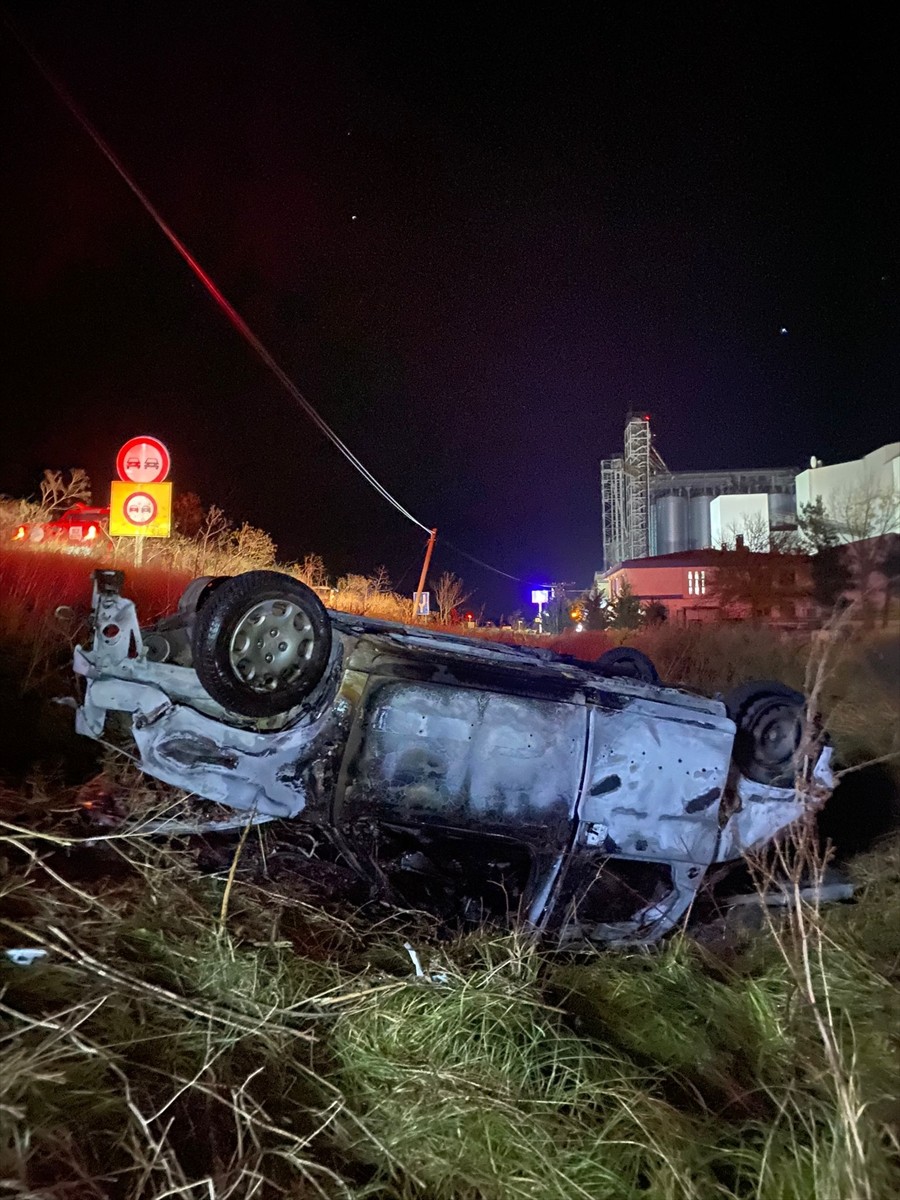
{"x": 587, "y": 802}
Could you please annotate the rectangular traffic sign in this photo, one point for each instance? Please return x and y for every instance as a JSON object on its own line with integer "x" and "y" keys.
{"x": 140, "y": 509}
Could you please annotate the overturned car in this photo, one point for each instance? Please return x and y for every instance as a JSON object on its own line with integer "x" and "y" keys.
{"x": 589, "y": 802}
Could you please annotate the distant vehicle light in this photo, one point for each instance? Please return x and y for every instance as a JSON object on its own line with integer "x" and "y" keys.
{"x": 80, "y": 523}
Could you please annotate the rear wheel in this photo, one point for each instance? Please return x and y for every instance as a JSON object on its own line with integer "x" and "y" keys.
{"x": 624, "y": 662}
{"x": 769, "y": 717}
{"x": 261, "y": 643}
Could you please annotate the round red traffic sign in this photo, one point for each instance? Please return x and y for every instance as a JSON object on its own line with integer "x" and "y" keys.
{"x": 143, "y": 460}
{"x": 139, "y": 508}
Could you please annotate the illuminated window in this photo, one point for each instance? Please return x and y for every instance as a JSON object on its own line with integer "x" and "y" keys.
{"x": 696, "y": 583}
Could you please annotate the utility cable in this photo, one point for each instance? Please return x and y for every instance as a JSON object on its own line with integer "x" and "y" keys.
{"x": 224, "y": 304}
{"x": 480, "y": 562}
{"x": 229, "y": 310}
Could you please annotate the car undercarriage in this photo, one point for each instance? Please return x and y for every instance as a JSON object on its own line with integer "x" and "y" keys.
{"x": 589, "y": 803}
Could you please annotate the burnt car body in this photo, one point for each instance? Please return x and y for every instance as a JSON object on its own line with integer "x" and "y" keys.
{"x": 588, "y": 805}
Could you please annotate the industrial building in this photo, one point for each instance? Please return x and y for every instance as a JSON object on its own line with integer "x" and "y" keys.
{"x": 650, "y": 510}
{"x": 667, "y": 533}
{"x": 864, "y": 490}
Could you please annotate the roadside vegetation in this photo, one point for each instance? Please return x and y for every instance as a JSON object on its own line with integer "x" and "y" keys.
{"x": 204, "y": 541}
{"x": 225, "y": 1017}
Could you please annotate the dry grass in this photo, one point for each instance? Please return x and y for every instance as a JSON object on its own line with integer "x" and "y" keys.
{"x": 210, "y": 1023}
{"x": 294, "y": 1052}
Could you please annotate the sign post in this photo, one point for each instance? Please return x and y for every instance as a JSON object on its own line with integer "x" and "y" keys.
{"x": 140, "y": 502}
{"x": 540, "y": 597}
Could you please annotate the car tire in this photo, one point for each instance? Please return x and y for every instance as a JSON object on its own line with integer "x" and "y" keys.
{"x": 769, "y": 717}
{"x": 624, "y": 662}
{"x": 261, "y": 643}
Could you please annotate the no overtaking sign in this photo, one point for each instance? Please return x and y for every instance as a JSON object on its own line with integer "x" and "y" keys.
{"x": 140, "y": 503}
{"x": 143, "y": 460}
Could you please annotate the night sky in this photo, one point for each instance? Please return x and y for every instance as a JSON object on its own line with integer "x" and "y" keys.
{"x": 473, "y": 238}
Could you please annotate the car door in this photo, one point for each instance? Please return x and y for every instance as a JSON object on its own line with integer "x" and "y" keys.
{"x": 433, "y": 754}
{"x": 647, "y": 823}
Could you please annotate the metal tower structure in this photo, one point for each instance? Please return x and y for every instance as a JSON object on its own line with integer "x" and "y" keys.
{"x": 625, "y": 494}
{"x": 616, "y": 545}
{"x": 637, "y": 485}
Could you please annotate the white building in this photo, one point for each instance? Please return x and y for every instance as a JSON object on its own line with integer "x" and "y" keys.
{"x": 849, "y": 489}
{"x": 747, "y": 517}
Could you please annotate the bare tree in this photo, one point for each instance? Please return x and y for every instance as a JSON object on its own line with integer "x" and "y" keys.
{"x": 865, "y": 513}
{"x": 756, "y": 534}
{"x": 380, "y": 582}
{"x": 449, "y": 593}
{"x": 57, "y": 492}
{"x": 311, "y": 571}
{"x": 253, "y": 547}
{"x": 867, "y": 522}
{"x": 750, "y": 532}
{"x": 211, "y": 534}
{"x": 187, "y": 514}
{"x": 758, "y": 584}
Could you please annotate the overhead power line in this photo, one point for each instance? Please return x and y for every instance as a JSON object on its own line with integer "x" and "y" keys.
{"x": 227, "y": 308}
{"x": 480, "y": 562}
{"x": 230, "y": 311}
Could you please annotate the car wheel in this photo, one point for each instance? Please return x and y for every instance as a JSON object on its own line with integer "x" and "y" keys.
{"x": 769, "y": 717}
{"x": 626, "y": 663}
{"x": 261, "y": 643}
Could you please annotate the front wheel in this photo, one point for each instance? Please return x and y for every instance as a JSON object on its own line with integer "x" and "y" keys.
{"x": 261, "y": 643}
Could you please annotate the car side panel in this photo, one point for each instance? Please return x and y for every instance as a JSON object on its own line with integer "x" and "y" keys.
{"x": 433, "y": 754}
{"x": 654, "y": 782}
